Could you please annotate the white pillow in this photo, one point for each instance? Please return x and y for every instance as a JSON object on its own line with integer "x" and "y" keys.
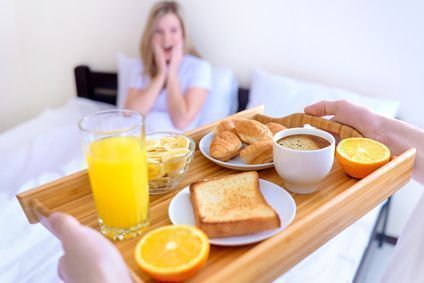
{"x": 221, "y": 100}
{"x": 283, "y": 95}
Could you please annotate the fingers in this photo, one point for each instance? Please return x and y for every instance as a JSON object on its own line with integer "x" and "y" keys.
{"x": 61, "y": 224}
{"x": 61, "y": 268}
{"x": 155, "y": 42}
{"x": 179, "y": 46}
{"x": 158, "y": 52}
{"x": 179, "y": 49}
{"x": 159, "y": 56}
{"x": 40, "y": 211}
{"x": 322, "y": 108}
{"x": 157, "y": 49}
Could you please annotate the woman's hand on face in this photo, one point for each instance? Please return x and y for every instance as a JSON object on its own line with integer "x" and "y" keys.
{"x": 160, "y": 57}
{"x": 348, "y": 113}
{"x": 89, "y": 257}
{"x": 176, "y": 58}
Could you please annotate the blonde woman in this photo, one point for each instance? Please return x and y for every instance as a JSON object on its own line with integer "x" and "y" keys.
{"x": 172, "y": 83}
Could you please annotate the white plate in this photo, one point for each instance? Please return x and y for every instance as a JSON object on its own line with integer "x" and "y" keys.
{"x": 180, "y": 211}
{"x": 235, "y": 163}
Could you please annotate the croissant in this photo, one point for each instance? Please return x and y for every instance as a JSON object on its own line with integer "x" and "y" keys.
{"x": 225, "y": 146}
{"x": 258, "y": 152}
{"x": 275, "y": 127}
{"x": 227, "y": 125}
{"x": 250, "y": 131}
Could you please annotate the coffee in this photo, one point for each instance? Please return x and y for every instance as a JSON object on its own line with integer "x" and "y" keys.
{"x": 303, "y": 142}
{"x": 303, "y": 157}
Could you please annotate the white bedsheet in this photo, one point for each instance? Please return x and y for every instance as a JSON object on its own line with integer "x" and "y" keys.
{"x": 38, "y": 151}
{"x": 48, "y": 147}
{"x": 338, "y": 260}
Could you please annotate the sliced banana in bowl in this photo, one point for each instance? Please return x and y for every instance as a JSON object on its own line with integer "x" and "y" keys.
{"x": 169, "y": 155}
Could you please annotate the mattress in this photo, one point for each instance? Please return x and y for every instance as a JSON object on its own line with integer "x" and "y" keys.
{"x": 48, "y": 147}
{"x": 36, "y": 152}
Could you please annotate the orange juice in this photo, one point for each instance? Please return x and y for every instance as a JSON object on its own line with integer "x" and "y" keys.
{"x": 118, "y": 176}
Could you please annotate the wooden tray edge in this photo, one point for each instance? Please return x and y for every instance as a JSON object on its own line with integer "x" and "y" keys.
{"x": 301, "y": 119}
{"x": 40, "y": 193}
{"x": 282, "y": 247}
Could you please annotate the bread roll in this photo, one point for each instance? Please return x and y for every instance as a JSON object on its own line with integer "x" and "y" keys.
{"x": 275, "y": 127}
{"x": 227, "y": 125}
{"x": 257, "y": 153}
{"x": 250, "y": 131}
{"x": 225, "y": 146}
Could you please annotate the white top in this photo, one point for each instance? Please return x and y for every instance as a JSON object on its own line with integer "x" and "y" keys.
{"x": 193, "y": 72}
{"x": 407, "y": 263}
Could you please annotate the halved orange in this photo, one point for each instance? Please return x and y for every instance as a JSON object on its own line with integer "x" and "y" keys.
{"x": 172, "y": 253}
{"x": 359, "y": 157}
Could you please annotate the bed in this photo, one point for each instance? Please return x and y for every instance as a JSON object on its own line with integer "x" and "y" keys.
{"x": 47, "y": 148}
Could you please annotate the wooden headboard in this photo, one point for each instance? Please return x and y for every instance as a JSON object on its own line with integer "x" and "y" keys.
{"x": 103, "y": 86}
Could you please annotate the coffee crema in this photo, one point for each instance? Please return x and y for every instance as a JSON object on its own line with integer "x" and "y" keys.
{"x": 303, "y": 142}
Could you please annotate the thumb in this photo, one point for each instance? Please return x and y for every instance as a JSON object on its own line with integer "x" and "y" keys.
{"x": 61, "y": 224}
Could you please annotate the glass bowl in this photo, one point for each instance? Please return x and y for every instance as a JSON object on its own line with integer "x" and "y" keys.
{"x": 169, "y": 155}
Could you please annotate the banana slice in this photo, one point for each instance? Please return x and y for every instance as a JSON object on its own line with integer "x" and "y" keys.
{"x": 155, "y": 170}
{"x": 173, "y": 161}
{"x": 175, "y": 142}
{"x": 166, "y": 140}
{"x": 173, "y": 154}
{"x": 155, "y": 156}
{"x": 165, "y": 158}
{"x": 152, "y": 144}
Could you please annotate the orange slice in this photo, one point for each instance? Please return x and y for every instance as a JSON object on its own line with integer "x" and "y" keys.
{"x": 359, "y": 157}
{"x": 172, "y": 253}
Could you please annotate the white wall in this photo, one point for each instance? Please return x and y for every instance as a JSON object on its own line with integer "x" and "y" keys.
{"x": 369, "y": 46}
{"x": 374, "y": 47}
{"x": 12, "y": 75}
{"x": 44, "y": 41}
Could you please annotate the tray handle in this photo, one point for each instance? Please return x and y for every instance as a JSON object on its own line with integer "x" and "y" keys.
{"x": 300, "y": 119}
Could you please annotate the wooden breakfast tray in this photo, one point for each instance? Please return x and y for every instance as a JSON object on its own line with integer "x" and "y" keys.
{"x": 339, "y": 202}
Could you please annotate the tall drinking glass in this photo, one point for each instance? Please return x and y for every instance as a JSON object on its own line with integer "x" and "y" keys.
{"x": 113, "y": 143}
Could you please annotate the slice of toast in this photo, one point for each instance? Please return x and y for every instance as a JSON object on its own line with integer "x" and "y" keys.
{"x": 232, "y": 205}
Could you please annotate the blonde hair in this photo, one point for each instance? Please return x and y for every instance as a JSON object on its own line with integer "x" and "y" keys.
{"x": 159, "y": 10}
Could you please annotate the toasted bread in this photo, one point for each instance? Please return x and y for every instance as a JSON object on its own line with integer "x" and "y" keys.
{"x": 232, "y": 205}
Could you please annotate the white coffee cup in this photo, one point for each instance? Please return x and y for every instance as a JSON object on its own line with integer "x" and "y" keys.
{"x": 302, "y": 170}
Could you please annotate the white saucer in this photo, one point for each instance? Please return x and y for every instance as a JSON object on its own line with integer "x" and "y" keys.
{"x": 180, "y": 211}
{"x": 235, "y": 163}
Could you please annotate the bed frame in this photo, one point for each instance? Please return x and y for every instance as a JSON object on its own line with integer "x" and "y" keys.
{"x": 103, "y": 86}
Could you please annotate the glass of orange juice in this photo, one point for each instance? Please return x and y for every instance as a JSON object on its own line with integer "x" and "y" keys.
{"x": 113, "y": 143}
